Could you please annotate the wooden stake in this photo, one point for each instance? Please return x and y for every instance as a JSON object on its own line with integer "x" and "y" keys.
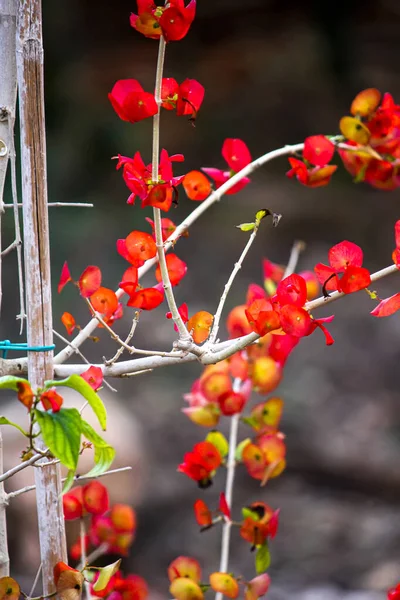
{"x": 37, "y": 266}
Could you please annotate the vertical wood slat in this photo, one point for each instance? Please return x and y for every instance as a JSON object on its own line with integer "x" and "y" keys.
{"x": 8, "y": 95}
{"x": 37, "y": 265}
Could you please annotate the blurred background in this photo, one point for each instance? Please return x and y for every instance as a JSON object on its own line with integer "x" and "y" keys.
{"x": 274, "y": 72}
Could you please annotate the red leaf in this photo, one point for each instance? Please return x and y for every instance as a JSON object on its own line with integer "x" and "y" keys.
{"x": 202, "y": 514}
{"x": 295, "y": 320}
{"x": 65, "y": 277}
{"x": 199, "y": 325}
{"x": 387, "y": 307}
{"x": 139, "y": 247}
{"x": 131, "y": 102}
{"x": 223, "y": 506}
{"x": 25, "y": 394}
{"x": 89, "y": 281}
{"x": 236, "y": 154}
{"x": 318, "y": 150}
{"x": 292, "y": 290}
{"x": 105, "y": 302}
{"x": 354, "y": 279}
{"x": 69, "y": 322}
{"x": 93, "y": 376}
{"x": 129, "y": 280}
{"x": 196, "y": 186}
{"x": 176, "y": 269}
{"x": 344, "y": 255}
{"x": 51, "y": 400}
{"x": 146, "y": 299}
{"x": 95, "y": 498}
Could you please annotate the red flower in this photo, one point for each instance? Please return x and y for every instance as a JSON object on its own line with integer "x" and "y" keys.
{"x": 379, "y": 127}
{"x": 65, "y": 277}
{"x": 238, "y": 156}
{"x": 69, "y": 322}
{"x": 345, "y": 258}
{"x": 396, "y": 252}
{"x": 51, "y": 400}
{"x": 172, "y": 22}
{"x": 202, "y": 514}
{"x": 146, "y": 299}
{"x": 93, "y": 376}
{"x": 138, "y": 178}
{"x": 310, "y": 176}
{"x": 186, "y": 98}
{"x": 394, "y": 593}
{"x": 318, "y": 150}
{"x": 387, "y": 307}
{"x": 138, "y": 247}
{"x": 200, "y": 463}
{"x": 131, "y": 102}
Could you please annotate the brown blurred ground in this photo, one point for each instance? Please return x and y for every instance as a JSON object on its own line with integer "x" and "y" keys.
{"x": 274, "y": 72}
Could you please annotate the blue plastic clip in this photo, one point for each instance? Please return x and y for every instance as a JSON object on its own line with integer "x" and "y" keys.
{"x": 6, "y": 346}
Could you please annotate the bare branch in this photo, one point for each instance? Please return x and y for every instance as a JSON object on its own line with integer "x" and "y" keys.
{"x": 186, "y": 223}
{"x": 56, "y": 205}
{"x": 20, "y": 467}
{"x": 230, "y": 478}
{"x": 236, "y": 269}
{"x": 30, "y": 488}
{"x": 297, "y": 248}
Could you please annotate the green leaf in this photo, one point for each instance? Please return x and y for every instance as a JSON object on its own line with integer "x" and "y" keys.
{"x": 105, "y": 575}
{"x": 246, "y": 226}
{"x": 9, "y": 382}
{"x": 69, "y": 481}
{"x": 247, "y": 512}
{"x": 217, "y": 439}
{"x": 263, "y": 559}
{"x": 262, "y": 213}
{"x": 77, "y": 383}
{"x": 5, "y": 421}
{"x": 61, "y": 432}
{"x": 239, "y": 449}
{"x": 103, "y": 453}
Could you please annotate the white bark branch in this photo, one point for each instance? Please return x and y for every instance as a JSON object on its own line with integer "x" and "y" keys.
{"x": 83, "y": 335}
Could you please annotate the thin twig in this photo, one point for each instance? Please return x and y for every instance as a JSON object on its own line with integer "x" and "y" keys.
{"x": 214, "y": 197}
{"x": 10, "y": 248}
{"x": 297, "y": 248}
{"x": 116, "y": 338}
{"x": 322, "y": 300}
{"x": 57, "y": 204}
{"x": 35, "y": 582}
{"x": 128, "y": 338}
{"x": 62, "y": 338}
{"x": 230, "y": 478}
{"x": 20, "y": 467}
{"x": 97, "y": 552}
{"x": 30, "y": 488}
{"x": 236, "y": 269}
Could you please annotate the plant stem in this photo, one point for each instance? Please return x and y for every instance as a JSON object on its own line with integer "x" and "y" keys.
{"x": 297, "y": 248}
{"x": 169, "y": 294}
{"x": 214, "y": 197}
{"x": 236, "y": 269}
{"x": 230, "y": 478}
